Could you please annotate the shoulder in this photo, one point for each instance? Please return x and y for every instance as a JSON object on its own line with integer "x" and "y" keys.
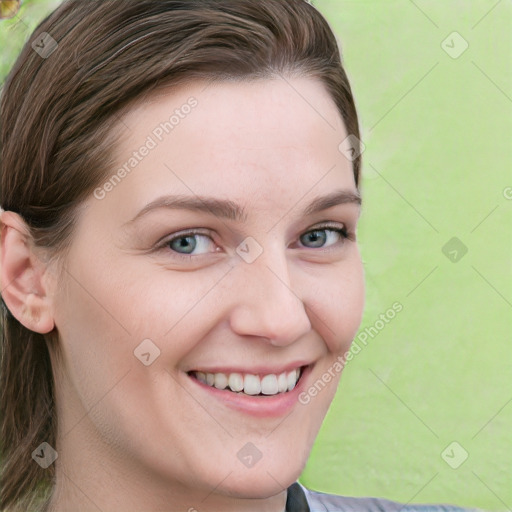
{"x": 322, "y": 502}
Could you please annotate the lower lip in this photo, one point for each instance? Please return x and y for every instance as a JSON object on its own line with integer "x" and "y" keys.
{"x": 260, "y": 406}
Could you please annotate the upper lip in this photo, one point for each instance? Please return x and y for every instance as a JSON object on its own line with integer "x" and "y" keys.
{"x": 251, "y": 369}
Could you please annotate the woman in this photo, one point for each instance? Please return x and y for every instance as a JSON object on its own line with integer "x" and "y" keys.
{"x": 179, "y": 265}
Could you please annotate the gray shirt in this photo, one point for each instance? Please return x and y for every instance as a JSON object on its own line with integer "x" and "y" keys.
{"x": 301, "y": 499}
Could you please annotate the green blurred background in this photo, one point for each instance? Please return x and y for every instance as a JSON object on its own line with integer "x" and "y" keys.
{"x": 436, "y": 236}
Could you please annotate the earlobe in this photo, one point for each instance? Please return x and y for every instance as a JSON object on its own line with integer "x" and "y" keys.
{"x": 21, "y": 276}
{"x": 36, "y": 314}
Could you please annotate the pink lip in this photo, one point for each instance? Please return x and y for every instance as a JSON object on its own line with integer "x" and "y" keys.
{"x": 257, "y": 405}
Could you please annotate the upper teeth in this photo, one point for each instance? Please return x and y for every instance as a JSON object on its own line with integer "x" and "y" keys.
{"x": 251, "y": 384}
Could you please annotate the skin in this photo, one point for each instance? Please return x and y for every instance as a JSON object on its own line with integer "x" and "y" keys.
{"x": 135, "y": 437}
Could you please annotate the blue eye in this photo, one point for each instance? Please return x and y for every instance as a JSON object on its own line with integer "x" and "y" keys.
{"x": 318, "y": 236}
{"x": 188, "y": 242}
{"x": 184, "y": 245}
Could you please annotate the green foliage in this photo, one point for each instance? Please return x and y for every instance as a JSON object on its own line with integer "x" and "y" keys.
{"x": 15, "y": 31}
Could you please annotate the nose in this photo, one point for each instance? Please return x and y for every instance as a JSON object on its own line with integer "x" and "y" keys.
{"x": 267, "y": 305}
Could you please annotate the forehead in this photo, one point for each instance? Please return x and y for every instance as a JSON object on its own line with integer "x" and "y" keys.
{"x": 266, "y": 141}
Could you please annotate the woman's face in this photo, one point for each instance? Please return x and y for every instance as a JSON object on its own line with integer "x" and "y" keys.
{"x": 262, "y": 288}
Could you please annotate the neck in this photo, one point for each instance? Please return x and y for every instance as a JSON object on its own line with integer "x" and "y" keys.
{"x": 97, "y": 484}
{"x": 73, "y": 502}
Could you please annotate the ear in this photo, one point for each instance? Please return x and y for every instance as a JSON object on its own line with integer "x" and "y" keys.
{"x": 22, "y": 275}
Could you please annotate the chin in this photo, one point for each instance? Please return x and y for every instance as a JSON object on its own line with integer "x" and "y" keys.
{"x": 263, "y": 480}
{"x": 257, "y": 486}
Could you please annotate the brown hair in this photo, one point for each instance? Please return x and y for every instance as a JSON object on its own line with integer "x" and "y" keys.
{"x": 59, "y": 114}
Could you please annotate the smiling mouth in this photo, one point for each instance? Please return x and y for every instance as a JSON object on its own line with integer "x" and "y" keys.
{"x": 250, "y": 384}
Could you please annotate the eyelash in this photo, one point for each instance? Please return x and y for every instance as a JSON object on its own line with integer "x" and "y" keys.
{"x": 345, "y": 234}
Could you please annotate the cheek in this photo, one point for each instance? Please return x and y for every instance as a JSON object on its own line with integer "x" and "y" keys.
{"x": 95, "y": 339}
{"x": 177, "y": 306}
{"x": 338, "y": 307}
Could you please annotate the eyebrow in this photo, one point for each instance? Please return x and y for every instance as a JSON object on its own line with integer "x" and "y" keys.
{"x": 227, "y": 209}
